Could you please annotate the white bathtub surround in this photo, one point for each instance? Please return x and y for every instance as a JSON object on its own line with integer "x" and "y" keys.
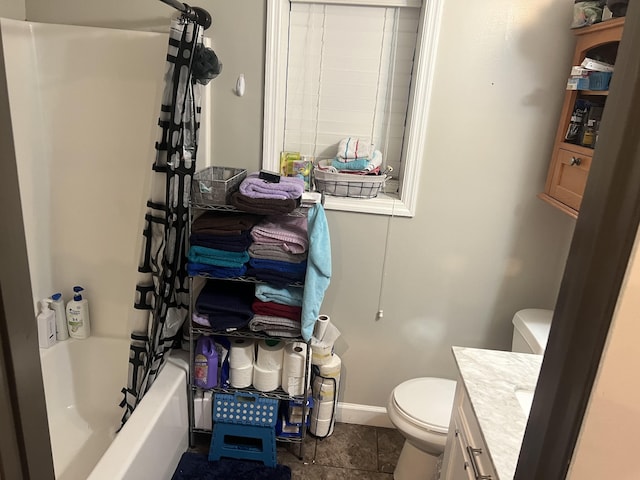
{"x": 82, "y": 381}
{"x": 492, "y": 380}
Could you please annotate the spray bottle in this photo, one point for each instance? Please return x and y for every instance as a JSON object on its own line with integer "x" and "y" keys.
{"x": 46, "y": 325}
{"x": 57, "y": 305}
{"x": 78, "y": 315}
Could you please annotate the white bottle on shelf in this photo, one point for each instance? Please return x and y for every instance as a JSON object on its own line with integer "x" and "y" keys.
{"x": 57, "y": 305}
{"x": 78, "y": 315}
{"x": 46, "y": 320}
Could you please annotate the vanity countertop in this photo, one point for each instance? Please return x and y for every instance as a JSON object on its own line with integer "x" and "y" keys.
{"x": 491, "y": 378}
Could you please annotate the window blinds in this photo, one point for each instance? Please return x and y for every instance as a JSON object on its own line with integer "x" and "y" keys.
{"x": 349, "y": 74}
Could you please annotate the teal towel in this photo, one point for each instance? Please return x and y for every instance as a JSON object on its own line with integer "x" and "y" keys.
{"x": 355, "y": 165}
{"x": 318, "y": 269}
{"x": 220, "y": 258}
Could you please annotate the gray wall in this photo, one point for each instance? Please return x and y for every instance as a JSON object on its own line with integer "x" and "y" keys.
{"x": 13, "y": 9}
{"x": 481, "y": 246}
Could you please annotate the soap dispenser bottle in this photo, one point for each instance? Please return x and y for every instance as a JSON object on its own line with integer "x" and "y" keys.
{"x": 78, "y": 315}
{"x": 57, "y": 305}
{"x": 46, "y": 325}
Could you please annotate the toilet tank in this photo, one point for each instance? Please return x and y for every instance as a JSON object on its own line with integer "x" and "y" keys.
{"x": 531, "y": 330}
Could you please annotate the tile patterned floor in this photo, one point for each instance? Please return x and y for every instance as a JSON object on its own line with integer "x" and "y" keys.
{"x": 352, "y": 452}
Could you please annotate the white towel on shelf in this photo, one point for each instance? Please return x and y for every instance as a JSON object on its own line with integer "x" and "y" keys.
{"x": 353, "y": 147}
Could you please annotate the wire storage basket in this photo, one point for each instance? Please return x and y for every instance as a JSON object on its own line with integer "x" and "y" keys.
{"x": 214, "y": 185}
{"x": 348, "y": 184}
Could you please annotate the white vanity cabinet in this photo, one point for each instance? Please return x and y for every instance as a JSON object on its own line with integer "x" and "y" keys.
{"x": 466, "y": 456}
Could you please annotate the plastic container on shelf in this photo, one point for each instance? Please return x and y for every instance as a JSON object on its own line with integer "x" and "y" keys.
{"x": 57, "y": 305}
{"x": 205, "y": 363}
{"x": 46, "y": 321}
{"x": 599, "y": 80}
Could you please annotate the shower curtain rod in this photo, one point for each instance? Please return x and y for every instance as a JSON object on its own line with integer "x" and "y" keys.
{"x": 198, "y": 15}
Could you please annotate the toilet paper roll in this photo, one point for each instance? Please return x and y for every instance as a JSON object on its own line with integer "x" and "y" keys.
{"x": 320, "y": 327}
{"x": 321, "y": 354}
{"x": 270, "y": 354}
{"x": 325, "y": 389}
{"x": 293, "y": 368}
{"x": 321, "y": 428}
{"x": 241, "y": 353}
{"x": 266, "y": 380}
{"x": 241, "y": 377}
{"x": 332, "y": 368}
{"x": 324, "y": 410}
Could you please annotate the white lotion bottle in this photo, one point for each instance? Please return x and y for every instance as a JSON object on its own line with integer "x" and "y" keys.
{"x": 57, "y": 305}
{"x": 78, "y": 315}
{"x": 46, "y": 320}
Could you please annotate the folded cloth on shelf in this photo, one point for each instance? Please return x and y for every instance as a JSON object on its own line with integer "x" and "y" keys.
{"x": 194, "y": 269}
{"x": 352, "y": 147}
{"x": 286, "y": 295}
{"x": 224, "y": 223}
{"x": 226, "y": 304}
{"x": 263, "y": 206}
{"x": 288, "y": 232}
{"x": 200, "y": 319}
{"x": 319, "y": 269}
{"x": 278, "y": 278}
{"x": 287, "y": 188}
{"x": 220, "y": 258}
{"x": 365, "y": 164}
{"x": 275, "y": 326}
{"x": 276, "y": 310}
{"x": 275, "y": 252}
{"x": 230, "y": 243}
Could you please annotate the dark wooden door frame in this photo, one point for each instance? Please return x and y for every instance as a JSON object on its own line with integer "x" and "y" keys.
{"x": 604, "y": 236}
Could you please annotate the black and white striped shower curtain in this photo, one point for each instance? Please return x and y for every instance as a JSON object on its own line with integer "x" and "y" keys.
{"x": 162, "y": 291}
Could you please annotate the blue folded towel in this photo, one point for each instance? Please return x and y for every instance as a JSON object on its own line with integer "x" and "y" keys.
{"x": 318, "y": 270}
{"x": 355, "y": 165}
{"x": 215, "y": 271}
{"x": 220, "y": 258}
{"x": 285, "y": 296}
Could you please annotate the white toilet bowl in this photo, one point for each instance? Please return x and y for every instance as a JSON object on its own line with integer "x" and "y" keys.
{"x": 420, "y": 409}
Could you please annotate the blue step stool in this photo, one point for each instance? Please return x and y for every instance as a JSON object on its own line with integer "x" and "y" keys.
{"x": 246, "y": 442}
{"x": 244, "y": 427}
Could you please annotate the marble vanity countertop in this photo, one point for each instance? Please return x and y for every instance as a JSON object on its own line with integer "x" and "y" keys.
{"x": 491, "y": 379}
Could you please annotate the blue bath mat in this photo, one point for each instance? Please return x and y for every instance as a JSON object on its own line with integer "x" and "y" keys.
{"x": 196, "y": 466}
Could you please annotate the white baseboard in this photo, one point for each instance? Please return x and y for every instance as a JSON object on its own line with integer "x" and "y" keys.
{"x": 363, "y": 415}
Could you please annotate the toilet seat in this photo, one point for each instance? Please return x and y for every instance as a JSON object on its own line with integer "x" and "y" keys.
{"x": 426, "y": 402}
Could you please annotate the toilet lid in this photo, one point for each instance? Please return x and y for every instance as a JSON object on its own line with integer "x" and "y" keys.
{"x": 427, "y": 401}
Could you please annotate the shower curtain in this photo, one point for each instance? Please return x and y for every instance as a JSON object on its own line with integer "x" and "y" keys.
{"x": 162, "y": 291}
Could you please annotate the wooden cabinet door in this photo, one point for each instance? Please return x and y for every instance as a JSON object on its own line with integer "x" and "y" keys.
{"x": 570, "y": 177}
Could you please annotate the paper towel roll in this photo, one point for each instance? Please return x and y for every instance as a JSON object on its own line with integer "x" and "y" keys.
{"x": 321, "y": 326}
{"x": 270, "y": 354}
{"x": 266, "y": 380}
{"x": 325, "y": 388}
{"x": 241, "y": 353}
{"x": 241, "y": 377}
{"x": 293, "y": 368}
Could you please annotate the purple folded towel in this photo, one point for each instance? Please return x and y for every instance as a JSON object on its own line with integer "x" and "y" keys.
{"x": 286, "y": 188}
{"x": 290, "y": 233}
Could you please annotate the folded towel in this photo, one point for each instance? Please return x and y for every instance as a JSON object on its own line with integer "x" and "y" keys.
{"x": 230, "y": 243}
{"x": 276, "y": 310}
{"x": 366, "y": 164}
{"x": 275, "y": 326}
{"x": 352, "y": 147}
{"x": 318, "y": 271}
{"x": 262, "y": 206}
{"x": 224, "y": 223}
{"x": 220, "y": 258}
{"x": 287, "y": 188}
{"x": 275, "y": 252}
{"x": 273, "y": 272}
{"x": 286, "y": 296}
{"x": 288, "y": 232}
{"x": 200, "y": 319}
{"x": 195, "y": 269}
{"x": 227, "y": 304}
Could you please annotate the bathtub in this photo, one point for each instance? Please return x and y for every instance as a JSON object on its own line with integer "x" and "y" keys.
{"x": 82, "y": 382}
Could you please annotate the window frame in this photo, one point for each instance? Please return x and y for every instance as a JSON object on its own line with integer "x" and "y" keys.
{"x": 275, "y": 77}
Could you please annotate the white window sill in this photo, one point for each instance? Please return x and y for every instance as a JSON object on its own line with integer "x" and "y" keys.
{"x": 381, "y": 205}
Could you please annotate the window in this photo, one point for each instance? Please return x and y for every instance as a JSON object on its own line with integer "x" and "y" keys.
{"x": 317, "y": 92}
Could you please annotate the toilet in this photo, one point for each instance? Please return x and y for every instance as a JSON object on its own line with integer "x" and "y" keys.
{"x": 420, "y": 408}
